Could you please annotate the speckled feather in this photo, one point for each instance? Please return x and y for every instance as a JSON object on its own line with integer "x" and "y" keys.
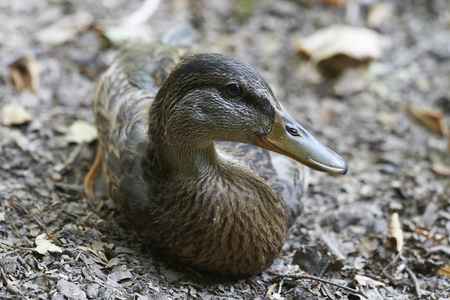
{"x": 230, "y": 220}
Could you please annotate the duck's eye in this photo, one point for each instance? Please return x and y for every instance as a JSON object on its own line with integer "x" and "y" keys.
{"x": 234, "y": 89}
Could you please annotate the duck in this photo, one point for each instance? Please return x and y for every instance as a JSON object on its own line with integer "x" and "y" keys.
{"x": 200, "y": 158}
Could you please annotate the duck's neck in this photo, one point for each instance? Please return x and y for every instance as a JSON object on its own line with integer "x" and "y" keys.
{"x": 174, "y": 154}
{"x": 187, "y": 163}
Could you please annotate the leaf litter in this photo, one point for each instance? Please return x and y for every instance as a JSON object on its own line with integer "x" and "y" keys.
{"x": 396, "y": 164}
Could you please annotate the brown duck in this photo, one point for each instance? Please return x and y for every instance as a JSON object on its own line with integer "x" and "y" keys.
{"x": 181, "y": 141}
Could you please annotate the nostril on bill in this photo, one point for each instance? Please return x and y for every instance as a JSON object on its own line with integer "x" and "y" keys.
{"x": 292, "y": 130}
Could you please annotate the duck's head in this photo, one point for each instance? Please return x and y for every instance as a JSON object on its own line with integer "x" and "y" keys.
{"x": 214, "y": 97}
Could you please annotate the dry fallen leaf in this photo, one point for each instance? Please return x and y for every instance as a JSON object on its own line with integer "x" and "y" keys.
{"x": 24, "y": 73}
{"x": 65, "y": 29}
{"x": 43, "y": 245}
{"x": 70, "y": 290}
{"x": 432, "y": 118}
{"x": 120, "y": 35}
{"x": 14, "y": 115}
{"x": 112, "y": 262}
{"x": 99, "y": 254}
{"x": 120, "y": 273}
{"x": 102, "y": 256}
{"x": 364, "y": 281}
{"x": 340, "y": 46}
{"x": 396, "y": 232}
{"x": 445, "y": 271}
{"x": 386, "y": 118}
{"x": 379, "y": 14}
{"x": 81, "y": 132}
{"x": 441, "y": 169}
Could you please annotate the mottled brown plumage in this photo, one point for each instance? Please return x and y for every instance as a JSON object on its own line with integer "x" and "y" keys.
{"x": 181, "y": 164}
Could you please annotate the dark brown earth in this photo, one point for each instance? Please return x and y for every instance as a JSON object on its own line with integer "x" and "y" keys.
{"x": 396, "y": 163}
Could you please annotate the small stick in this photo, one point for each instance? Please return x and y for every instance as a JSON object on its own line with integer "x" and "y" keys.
{"x": 3, "y": 275}
{"x": 390, "y": 278}
{"x": 281, "y": 284}
{"x": 324, "y": 269}
{"x": 35, "y": 218}
{"x": 19, "y": 206}
{"x": 310, "y": 277}
{"x": 391, "y": 263}
{"x": 414, "y": 279}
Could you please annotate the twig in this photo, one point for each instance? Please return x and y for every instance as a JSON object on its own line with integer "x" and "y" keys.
{"x": 391, "y": 263}
{"x": 324, "y": 269}
{"x": 3, "y": 276}
{"x": 281, "y": 285}
{"x": 390, "y": 278}
{"x": 441, "y": 248}
{"x": 310, "y": 277}
{"x": 70, "y": 160}
{"x": 36, "y": 219}
{"x": 326, "y": 291}
{"x": 33, "y": 216}
{"x": 78, "y": 256}
{"x": 85, "y": 218}
{"x": 414, "y": 279}
{"x": 270, "y": 290}
{"x": 19, "y": 206}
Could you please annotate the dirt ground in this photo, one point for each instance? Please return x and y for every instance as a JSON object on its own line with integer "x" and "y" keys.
{"x": 347, "y": 234}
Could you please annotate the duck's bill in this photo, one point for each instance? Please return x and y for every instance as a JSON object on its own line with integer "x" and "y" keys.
{"x": 289, "y": 138}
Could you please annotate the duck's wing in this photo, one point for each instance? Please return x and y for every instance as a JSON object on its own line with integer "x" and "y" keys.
{"x": 286, "y": 177}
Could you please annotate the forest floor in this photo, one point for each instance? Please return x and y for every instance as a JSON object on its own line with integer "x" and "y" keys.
{"x": 385, "y": 117}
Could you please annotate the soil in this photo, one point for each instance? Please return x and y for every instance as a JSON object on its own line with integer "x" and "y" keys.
{"x": 347, "y": 233}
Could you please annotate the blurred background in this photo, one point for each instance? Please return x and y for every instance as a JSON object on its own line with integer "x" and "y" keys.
{"x": 370, "y": 78}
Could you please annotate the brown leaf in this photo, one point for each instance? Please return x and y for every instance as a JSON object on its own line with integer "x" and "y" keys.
{"x": 99, "y": 254}
{"x": 24, "y": 73}
{"x": 396, "y": 232}
{"x": 14, "y": 115}
{"x": 112, "y": 262}
{"x": 441, "y": 169}
{"x": 445, "y": 271}
{"x": 340, "y": 46}
{"x": 432, "y": 118}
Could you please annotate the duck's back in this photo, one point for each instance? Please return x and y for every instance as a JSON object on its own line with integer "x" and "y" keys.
{"x": 121, "y": 103}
